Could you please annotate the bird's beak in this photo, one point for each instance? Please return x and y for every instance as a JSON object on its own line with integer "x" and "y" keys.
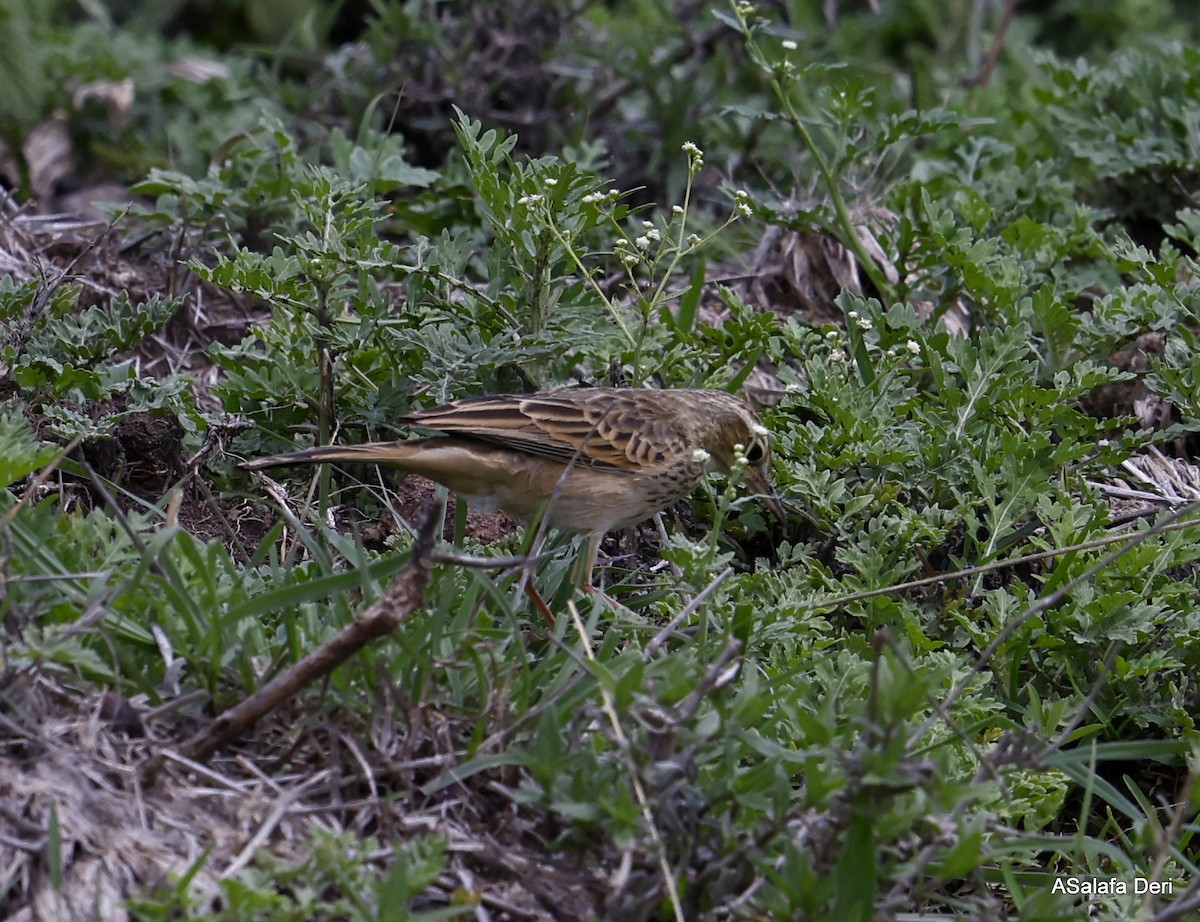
{"x": 766, "y": 492}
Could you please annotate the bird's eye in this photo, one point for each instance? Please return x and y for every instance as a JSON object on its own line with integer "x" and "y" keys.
{"x": 755, "y": 452}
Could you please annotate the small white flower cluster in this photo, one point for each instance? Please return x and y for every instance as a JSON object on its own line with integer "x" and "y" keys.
{"x": 839, "y": 354}
{"x": 651, "y": 236}
{"x": 625, "y": 253}
{"x": 599, "y": 198}
{"x": 529, "y": 200}
{"x": 863, "y": 323}
{"x": 630, "y": 253}
{"x": 741, "y": 206}
{"x": 695, "y": 156}
{"x": 909, "y": 349}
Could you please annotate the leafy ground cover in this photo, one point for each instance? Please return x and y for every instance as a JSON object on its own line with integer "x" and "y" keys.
{"x": 949, "y": 249}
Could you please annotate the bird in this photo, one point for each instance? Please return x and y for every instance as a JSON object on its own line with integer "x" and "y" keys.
{"x": 589, "y": 459}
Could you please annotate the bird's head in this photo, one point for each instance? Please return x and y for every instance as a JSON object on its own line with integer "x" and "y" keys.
{"x": 731, "y": 429}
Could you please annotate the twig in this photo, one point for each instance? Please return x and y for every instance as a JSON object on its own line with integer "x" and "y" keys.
{"x": 984, "y": 75}
{"x": 489, "y": 563}
{"x": 404, "y": 596}
{"x": 609, "y": 705}
{"x": 1047, "y": 602}
{"x": 662, "y": 636}
{"x": 1168, "y": 526}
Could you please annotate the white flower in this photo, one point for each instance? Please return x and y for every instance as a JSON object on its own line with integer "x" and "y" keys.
{"x": 837, "y": 356}
{"x": 691, "y": 149}
{"x": 676, "y": 209}
{"x": 864, "y": 323}
{"x": 832, "y": 334}
{"x": 913, "y": 346}
{"x": 654, "y": 235}
{"x": 700, "y": 456}
{"x": 743, "y": 209}
{"x": 788, "y": 45}
{"x": 694, "y": 240}
{"x": 760, "y": 430}
{"x": 550, "y": 181}
{"x": 642, "y": 242}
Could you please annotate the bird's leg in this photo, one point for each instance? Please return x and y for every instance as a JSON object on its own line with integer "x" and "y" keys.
{"x": 587, "y": 563}
{"x": 582, "y": 576}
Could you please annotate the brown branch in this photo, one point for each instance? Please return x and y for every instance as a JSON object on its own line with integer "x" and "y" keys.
{"x": 989, "y": 64}
{"x": 404, "y": 596}
{"x": 19, "y": 338}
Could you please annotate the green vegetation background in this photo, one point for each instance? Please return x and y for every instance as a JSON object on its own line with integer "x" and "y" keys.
{"x": 958, "y": 245}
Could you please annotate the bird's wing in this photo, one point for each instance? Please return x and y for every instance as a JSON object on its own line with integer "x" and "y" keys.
{"x": 614, "y": 429}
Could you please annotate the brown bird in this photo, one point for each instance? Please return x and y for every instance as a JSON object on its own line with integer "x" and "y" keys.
{"x": 593, "y": 459}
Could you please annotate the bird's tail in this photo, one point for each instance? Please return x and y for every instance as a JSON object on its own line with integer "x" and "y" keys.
{"x": 370, "y": 453}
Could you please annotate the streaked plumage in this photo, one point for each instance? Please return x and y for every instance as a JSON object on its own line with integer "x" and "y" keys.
{"x": 596, "y": 459}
